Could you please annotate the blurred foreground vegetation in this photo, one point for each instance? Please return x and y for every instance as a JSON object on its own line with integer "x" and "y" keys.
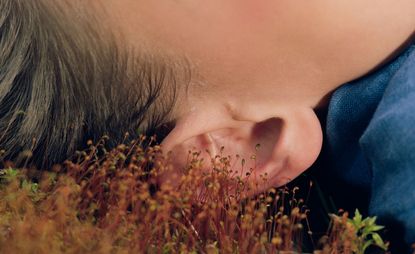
{"x": 112, "y": 202}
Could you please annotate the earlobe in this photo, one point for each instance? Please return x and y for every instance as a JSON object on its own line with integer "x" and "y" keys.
{"x": 288, "y": 144}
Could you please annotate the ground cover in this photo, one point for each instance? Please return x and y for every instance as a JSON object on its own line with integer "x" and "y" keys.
{"x": 112, "y": 202}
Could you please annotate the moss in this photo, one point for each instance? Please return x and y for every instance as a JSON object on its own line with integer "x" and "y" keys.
{"x": 113, "y": 204}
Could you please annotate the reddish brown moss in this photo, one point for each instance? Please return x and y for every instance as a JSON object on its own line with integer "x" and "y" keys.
{"x": 111, "y": 204}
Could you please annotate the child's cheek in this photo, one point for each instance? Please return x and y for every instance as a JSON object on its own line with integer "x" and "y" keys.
{"x": 251, "y": 10}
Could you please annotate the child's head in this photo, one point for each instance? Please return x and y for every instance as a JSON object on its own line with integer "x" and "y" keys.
{"x": 232, "y": 73}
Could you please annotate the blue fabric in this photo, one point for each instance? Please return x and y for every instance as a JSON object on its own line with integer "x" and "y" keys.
{"x": 371, "y": 138}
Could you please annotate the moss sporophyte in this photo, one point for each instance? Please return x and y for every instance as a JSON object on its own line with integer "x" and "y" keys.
{"x": 109, "y": 201}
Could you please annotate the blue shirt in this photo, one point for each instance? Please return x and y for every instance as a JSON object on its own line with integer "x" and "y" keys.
{"x": 370, "y": 134}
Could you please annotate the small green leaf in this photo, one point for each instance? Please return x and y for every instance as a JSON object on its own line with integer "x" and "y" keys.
{"x": 379, "y": 242}
{"x": 366, "y": 245}
{"x": 370, "y": 221}
{"x": 34, "y": 187}
{"x": 357, "y": 218}
{"x": 375, "y": 228}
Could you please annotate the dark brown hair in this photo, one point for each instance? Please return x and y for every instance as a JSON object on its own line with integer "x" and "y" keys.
{"x": 65, "y": 80}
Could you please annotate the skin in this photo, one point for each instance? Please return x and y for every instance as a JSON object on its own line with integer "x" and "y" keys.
{"x": 261, "y": 68}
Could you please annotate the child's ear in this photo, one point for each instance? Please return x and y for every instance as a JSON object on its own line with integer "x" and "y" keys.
{"x": 283, "y": 146}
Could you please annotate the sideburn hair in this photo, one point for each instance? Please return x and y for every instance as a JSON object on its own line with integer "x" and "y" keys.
{"x": 65, "y": 80}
